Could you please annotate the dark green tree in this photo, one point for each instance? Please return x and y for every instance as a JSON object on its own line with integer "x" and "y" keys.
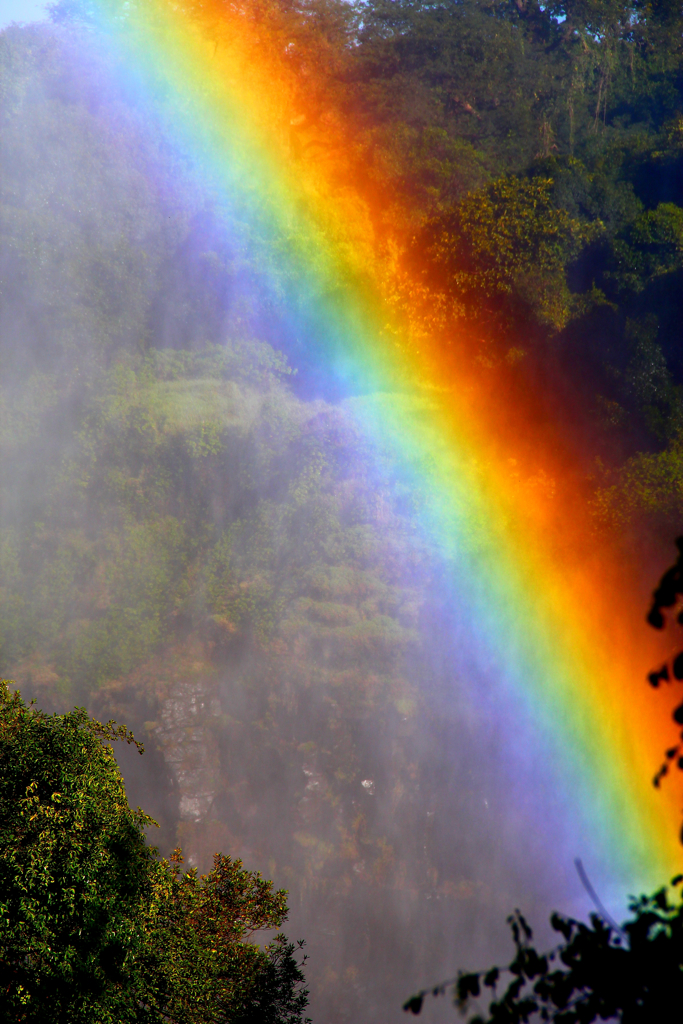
{"x": 93, "y": 926}
{"x": 74, "y": 870}
{"x": 502, "y": 253}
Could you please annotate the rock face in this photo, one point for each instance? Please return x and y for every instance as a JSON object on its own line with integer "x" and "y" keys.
{"x": 191, "y": 756}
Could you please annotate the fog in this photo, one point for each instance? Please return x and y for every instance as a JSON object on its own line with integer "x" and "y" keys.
{"x": 199, "y": 541}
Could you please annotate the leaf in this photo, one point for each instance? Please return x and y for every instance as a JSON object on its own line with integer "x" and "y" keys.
{"x": 414, "y": 1004}
{"x": 467, "y": 985}
{"x": 661, "y": 675}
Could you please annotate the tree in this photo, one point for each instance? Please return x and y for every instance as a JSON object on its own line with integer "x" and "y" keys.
{"x": 598, "y": 971}
{"x": 601, "y": 971}
{"x": 502, "y": 252}
{"x": 199, "y": 952}
{"x": 94, "y": 927}
{"x": 74, "y": 869}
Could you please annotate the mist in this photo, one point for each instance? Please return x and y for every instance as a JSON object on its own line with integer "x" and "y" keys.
{"x": 199, "y": 541}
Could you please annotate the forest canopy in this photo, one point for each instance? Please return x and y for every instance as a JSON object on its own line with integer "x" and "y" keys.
{"x": 567, "y": 114}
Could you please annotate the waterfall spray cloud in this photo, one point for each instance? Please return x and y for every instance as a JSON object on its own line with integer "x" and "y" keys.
{"x": 553, "y": 619}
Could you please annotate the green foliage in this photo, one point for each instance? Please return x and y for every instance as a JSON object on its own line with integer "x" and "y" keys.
{"x": 93, "y": 927}
{"x": 200, "y": 954}
{"x": 450, "y": 66}
{"x": 506, "y": 246}
{"x": 587, "y": 96}
{"x": 652, "y": 247}
{"x": 148, "y": 449}
{"x": 646, "y": 488}
{"x": 74, "y": 870}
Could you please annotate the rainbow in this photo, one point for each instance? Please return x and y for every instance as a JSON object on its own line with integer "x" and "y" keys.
{"x": 553, "y": 618}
